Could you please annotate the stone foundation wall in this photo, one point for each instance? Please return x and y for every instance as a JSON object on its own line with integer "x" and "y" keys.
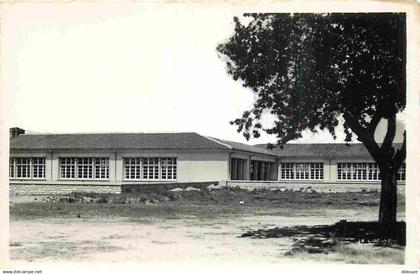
{"x": 319, "y": 187}
{"x": 21, "y": 189}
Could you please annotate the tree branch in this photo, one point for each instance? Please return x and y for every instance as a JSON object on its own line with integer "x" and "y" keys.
{"x": 376, "y": 118}
{"x": 355, "y": 126}
{"x": 367, "y": 138}
{"x": 390, "y": 134}
{"x": 401, "y": 153}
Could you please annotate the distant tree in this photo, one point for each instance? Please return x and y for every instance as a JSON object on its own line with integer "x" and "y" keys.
{"x": 308, "y": 70}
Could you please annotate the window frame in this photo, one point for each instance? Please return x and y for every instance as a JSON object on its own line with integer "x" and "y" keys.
{"x": 170, "y": 168}
{"x": 153, "y": 166}
{"x": 90, "y": 166}
{"x": 30, "y": 166}
{"x": 12, "y": 167}
{"x": 70, "y": 168}
{"x": 368, "y": 169}
{"x": 402, "y": 172}
{"x": 150, "y": 168}
{"x": 306, "y": 171}
{"x": 101, "y": 167}
{"x": 135, "y": 168}
{"x": 39, "y": 165}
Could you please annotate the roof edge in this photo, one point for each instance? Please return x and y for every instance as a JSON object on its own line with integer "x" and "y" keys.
{"x": 347, "y": 144}
{"x": 216, "y": 141}
{"x": 106, "y": 132}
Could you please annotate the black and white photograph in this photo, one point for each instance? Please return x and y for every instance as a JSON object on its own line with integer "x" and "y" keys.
{"x": 209, "y": 134}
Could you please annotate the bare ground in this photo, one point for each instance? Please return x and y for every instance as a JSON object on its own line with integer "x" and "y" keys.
{"x": 196, "y": 227}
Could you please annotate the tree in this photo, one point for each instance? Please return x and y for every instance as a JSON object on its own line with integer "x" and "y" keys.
{"x": 311, "y": 70}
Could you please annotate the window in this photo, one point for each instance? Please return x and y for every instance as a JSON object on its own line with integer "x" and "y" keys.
{"x": 150, "y": 168}
{"x": 401, "y": 173}
{"x": 11, "y": 167}
{"x": 101, "y": 168}
{"x": 302, "y": 171}
{"x": 317, "y": 171}
{"x": 38, "y": 167}
{"x": 67, "y": 168}
{"x": 132, "y": 168}
{"x": 27, "y": 167}
{"x": 360, "y": 171}
{"x": 168, "y": 170}
{"x": 23, "y": 167}
{"x": 287, "y": 171}
{"x": 84, "y": 168}
{"x": 373, "y": 172}
{"x": 344, "y": 171}
{"x": 363, "y": 172}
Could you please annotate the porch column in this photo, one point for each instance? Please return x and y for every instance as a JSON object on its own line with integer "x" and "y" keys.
{"x": 267, "y": 171}
{"x": 240, "y": 169}
{"x": 256, "y": 170}
{"x": 273, "y": 173}
{"x": 248, "y": 169}
{"x": 261, "y": 173}
{"x": 234, "y": 169}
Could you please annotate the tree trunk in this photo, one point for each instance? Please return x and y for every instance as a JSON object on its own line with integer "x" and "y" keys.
{"x": 388, "y": 203}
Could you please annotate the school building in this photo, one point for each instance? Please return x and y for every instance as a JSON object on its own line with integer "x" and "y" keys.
{"x": 103, "y": 162}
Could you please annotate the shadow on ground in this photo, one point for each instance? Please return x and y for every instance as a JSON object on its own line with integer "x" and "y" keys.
{"x": 325, "y": 238}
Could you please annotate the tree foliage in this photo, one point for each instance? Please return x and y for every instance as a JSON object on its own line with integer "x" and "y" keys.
{"x": 308, "y": 69}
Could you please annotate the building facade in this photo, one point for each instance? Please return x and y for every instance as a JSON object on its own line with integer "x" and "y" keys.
{"x": 103, "y": 162}
{"x": 329, "y": 163}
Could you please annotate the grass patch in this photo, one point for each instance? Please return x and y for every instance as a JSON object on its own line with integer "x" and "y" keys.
{"x": 226, "y": 195}
{"x": 135, "y": 211}
{"x": 362, "y": 254}
{"x": 203, "y": 203}
{"x": 357, "y": 254}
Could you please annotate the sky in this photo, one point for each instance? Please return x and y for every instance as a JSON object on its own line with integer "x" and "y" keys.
{"x": 71, "y": 68}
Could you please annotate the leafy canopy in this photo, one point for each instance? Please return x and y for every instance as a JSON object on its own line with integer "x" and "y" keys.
{"x": 307, "y": 70}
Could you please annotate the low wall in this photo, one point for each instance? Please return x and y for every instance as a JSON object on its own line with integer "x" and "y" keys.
{"x": 40, "y": 189}
{"x": 23, "y": 189}
{"x": 30, "y": 188}
{"x": 317, "y": 186}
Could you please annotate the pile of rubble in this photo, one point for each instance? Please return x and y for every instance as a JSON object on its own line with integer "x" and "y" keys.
{"x": 110, "y": 198}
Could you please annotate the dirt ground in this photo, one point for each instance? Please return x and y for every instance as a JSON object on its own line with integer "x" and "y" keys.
{"x": 181, "y": 238}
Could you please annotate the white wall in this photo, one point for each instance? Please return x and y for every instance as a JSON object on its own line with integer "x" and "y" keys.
{"x": 192, "y": 166}
{"x": 203, "y": 166}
